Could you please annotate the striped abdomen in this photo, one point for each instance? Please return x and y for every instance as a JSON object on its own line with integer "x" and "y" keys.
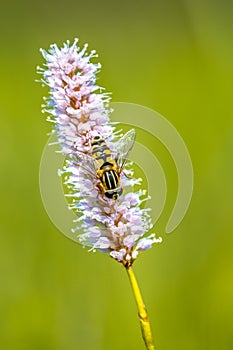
{"x": 101, "y": 153}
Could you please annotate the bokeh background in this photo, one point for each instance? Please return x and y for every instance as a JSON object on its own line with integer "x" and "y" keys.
{"x": 174, "y": 57}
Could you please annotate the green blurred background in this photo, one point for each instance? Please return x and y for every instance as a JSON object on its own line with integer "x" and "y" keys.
{"x": 174, "y": 57}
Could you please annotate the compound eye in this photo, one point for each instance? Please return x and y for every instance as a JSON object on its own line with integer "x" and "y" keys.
{"x": 109, "y": 195}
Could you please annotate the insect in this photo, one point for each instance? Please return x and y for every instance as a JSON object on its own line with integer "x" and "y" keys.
{"x": 105, "y": 165}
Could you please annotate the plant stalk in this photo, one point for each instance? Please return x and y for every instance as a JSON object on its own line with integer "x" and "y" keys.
{"x": 142, "y": 313}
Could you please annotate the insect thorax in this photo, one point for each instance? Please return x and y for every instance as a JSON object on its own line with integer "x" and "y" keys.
{"x": 110, "y": 179}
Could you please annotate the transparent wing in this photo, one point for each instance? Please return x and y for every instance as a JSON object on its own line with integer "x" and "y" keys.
{"x": 83, "y": 160}
{"x": 124, "y": 146}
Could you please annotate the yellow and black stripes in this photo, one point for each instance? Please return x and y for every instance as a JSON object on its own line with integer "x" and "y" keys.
{"x": 106, "y": 168}
{"x": 101, "y": 153}
{"x": 110, "y": 179}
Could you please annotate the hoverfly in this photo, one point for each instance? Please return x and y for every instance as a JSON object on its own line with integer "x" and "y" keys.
{"x": 105, "y": 165}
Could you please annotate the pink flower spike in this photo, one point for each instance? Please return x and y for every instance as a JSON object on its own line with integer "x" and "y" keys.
{"x": 79, "y": 112}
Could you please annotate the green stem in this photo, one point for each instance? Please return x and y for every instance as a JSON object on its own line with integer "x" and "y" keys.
{"x": 142, "y": 313}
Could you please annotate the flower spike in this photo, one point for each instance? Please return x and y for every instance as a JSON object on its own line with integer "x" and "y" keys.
{"x": 80, "y": 112}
